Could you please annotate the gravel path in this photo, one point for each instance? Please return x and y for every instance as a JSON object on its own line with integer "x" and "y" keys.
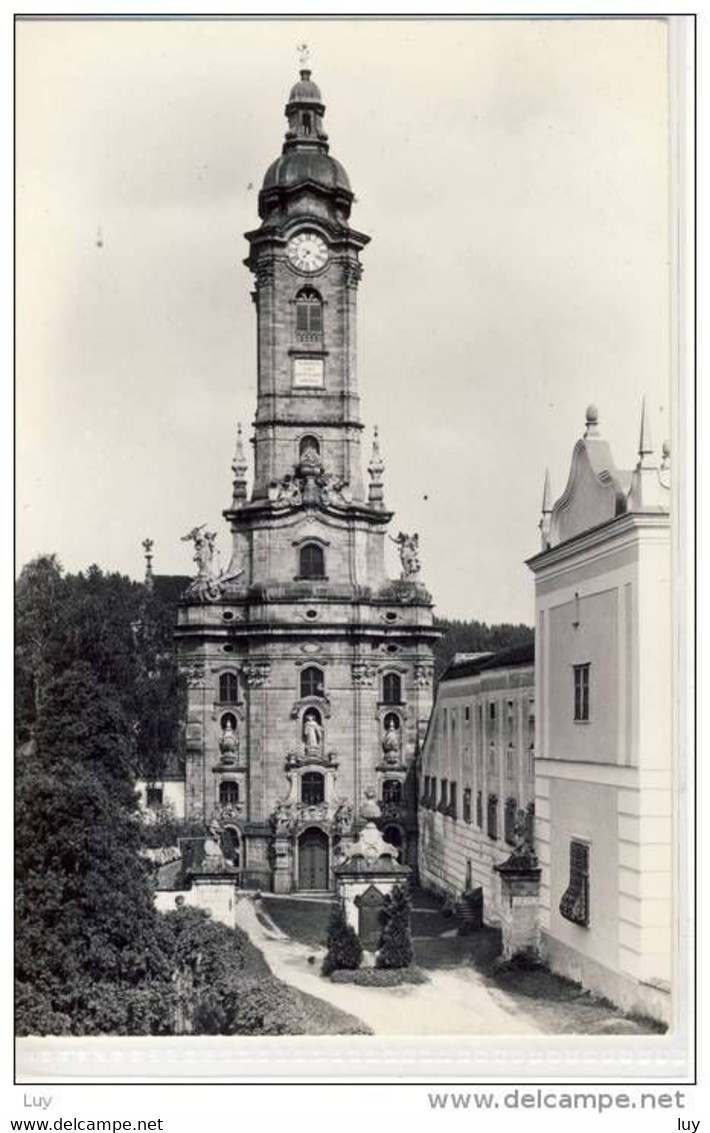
{"x": 455, "y": 1002}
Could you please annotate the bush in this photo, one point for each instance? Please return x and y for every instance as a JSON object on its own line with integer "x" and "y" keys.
{"x": 380, "y": 977}
{"x": 344, "y": 946}
{"x": 396, "y": 949}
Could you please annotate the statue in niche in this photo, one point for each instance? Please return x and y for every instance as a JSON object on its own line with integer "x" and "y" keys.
{"x": 312, "y": 734}
{"x": 229, "y": 743}
{"x": 408, "y": 553}
{"x": 213, "y": 859}
{"x": 391, "y": 741}
{"x": 282, "y": 818}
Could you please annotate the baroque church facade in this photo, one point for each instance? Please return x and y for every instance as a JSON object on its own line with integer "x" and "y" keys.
{"x": 309, "y": 670}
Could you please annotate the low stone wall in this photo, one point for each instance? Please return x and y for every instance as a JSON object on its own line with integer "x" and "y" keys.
{"x": 218, "y": 898}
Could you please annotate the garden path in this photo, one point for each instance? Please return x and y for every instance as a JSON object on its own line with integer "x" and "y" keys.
{"x": 454, "y": 1002}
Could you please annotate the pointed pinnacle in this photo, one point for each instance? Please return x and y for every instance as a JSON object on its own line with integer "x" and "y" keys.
{"x": 645, "y": 442}
{"x": 547, "y": 494}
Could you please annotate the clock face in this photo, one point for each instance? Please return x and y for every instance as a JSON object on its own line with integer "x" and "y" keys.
{"x": 307, "y": 251}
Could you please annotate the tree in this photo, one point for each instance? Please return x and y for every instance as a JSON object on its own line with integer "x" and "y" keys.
{"x": 396, "y": 949}
{"x": 475, "y": 637}
{"x": 344, "y": 945}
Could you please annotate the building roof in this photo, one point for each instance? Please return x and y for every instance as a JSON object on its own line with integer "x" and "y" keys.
{"x": 512, "y": 657}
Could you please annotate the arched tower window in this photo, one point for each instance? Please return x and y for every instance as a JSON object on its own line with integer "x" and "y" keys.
{"x": 311, "y": 561}
{"x": 311, "y": 681}
{"x": 229, "y": 792}
{"x": 309, "y": 315}
{"x": 312, "y": 788}
{"x": 228, "y": 688}
{"x": 392, "y": 688}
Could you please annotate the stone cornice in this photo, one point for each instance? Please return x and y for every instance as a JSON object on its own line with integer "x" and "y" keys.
{"x": 256, "y": 511}
{"x": 605, "y": 538}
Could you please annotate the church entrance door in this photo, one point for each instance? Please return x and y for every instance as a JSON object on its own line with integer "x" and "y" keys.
{"x": 313, "y": 859}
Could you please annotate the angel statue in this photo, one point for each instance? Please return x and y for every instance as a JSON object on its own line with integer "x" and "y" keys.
{"x": 408, "y": 553}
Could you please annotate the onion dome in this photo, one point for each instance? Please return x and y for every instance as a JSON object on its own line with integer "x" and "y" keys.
{"x": 305, "y": 90}
{"x": 304, "y": 158}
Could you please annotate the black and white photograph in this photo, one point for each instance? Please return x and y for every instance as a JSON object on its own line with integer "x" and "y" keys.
{"x": 352, "y": 576}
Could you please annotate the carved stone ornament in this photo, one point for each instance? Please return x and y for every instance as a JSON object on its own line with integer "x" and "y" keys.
{"x": 265, "y": 274}
{"x": 352, "y": 273}
{"x": 194, "y": 673}
{"x": 343, "y": 817}
{"x": 256, "y": 673}
{"x": 229, "y": 812}
{"x": 423, "y": 674}
{"x": 205, "y": 587}
{"x": 364, "y": 673}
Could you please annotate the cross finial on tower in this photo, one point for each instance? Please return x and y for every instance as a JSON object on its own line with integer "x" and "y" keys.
{"x": 148, "y": 551}
{"x": 304, "y": 55}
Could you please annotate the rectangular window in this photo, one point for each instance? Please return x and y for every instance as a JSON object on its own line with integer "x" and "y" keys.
{"x": 479, "y": 809}
{"x": 453, "y": 800}
{"x": 467, "y": 804}
{"x": 581, "y": 692}
{"x": 492, "y": 816}
{"x": 574, "y": 905}
{"x": 432, "y": 793}
{"x": 153, "y": 797}
{"x": 492, "y": 710}
{"x": 511, "y": 809}
{"x": 444, "y": 796}
{"x": 492, "y": 762}
{"x": 510, "y": 763}
{"x": 467, "y": 713}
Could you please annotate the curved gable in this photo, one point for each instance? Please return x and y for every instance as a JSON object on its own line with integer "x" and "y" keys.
{"x": 594, "y": 492}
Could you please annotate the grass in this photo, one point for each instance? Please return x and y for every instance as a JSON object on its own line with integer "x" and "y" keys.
{"x": 379, "y": 977}
{"x": 304, "y": 921}
{"x": 308, "y": 1015}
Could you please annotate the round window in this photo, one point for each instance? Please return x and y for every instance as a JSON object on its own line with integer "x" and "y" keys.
{"x": 391, "y": 616}
{"x": 393, "y": 649}
{"x": 228, "y": 616}
{"x": 228, "y": 649}
{"x": 312, "y": 614}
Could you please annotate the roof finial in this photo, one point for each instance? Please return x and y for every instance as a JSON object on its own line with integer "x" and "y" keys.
{"x": 148, "y": 551}
{"x": 375, "y": 468}
{"x": 304, "y": 55}
{"x": 239, "y": 468}
{"x": 546, "y": 509}
{"x": 592, "y": 422}
{"x": 645, "y": 442}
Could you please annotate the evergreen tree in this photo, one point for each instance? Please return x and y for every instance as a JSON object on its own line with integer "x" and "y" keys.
{"x": 396, "y": 949}
{"x": 344, "y": 945}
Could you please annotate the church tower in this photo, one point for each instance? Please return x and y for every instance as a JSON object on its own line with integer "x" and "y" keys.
{"x": 309, "y": 671}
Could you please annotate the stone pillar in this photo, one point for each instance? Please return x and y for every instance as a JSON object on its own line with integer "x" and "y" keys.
{"x": 283, "y": 865}
{"x": 520, "y": 896}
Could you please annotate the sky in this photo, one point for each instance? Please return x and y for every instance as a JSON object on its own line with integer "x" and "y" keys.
{"x": 513, "y": 176}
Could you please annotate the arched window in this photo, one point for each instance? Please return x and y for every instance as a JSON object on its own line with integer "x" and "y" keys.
{"x": 311, "y": 681}
{"x": 392, "y": 792}
{"x": 312, "y": 788}
{"x": 308, "y": 444}
{"x": 311, "y": 561}
{"x": 309, "y": 315}
{"x": 392, "y": 688}
{"x": 228, "y": 688}
{"x": 229, "y": 792}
